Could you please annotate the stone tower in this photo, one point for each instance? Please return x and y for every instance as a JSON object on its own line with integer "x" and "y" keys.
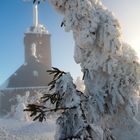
{"x": 31, "y": 76}
{"x": 37, "y": 57}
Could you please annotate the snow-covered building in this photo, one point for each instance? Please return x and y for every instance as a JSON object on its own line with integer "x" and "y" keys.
{"x": 32, "y": 74}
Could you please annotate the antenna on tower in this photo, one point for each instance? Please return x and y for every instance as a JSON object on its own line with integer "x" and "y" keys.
{"x": 35, "y": 11}
{"x": 35, "y": 15}
{"x": 36, "y": 27}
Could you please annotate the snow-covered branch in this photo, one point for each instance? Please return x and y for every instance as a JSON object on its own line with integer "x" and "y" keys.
{"x": 111, "y": 72}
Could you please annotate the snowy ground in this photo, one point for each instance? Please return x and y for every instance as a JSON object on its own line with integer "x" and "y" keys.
{"x": 11, "y": 129}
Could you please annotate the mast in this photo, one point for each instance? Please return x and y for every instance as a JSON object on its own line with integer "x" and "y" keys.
{"x": 35, "y": 15}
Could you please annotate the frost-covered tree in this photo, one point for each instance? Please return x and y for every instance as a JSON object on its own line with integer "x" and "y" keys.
{"x": 21, "y": 105}
{"x": 111, "y": 74}
{"x": 68, "y": 103}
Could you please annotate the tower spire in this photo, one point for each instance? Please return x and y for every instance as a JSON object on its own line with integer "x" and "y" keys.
{"x": 35, "y": 15}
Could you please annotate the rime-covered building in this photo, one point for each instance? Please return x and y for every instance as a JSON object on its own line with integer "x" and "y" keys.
{"x": 32, "y": 75}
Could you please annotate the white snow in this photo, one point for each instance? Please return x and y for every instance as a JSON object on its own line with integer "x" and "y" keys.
{"x": 35, "y": 73}
{"x": 40, "y": 29}
{"x": 80, "y": 84}
{"x": 33, "y": 50}
{"x": 110, "y": 66}
{"x": 11, "y": 129}
{"x": 18, "y": 126}
{"x": 111, "y": 78}
{"x": 19, "y": 114}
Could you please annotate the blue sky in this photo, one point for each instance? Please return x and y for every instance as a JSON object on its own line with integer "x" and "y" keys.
{"x": 16, "y": 17}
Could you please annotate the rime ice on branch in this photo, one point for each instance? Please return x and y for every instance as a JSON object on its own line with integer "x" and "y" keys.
{"x": 110, "y": 66}
{"x": 72, "y": 122}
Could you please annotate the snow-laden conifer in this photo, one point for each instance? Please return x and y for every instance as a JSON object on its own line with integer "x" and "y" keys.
{"x": 111, "y": 75}
{"x": 110, "y": 66}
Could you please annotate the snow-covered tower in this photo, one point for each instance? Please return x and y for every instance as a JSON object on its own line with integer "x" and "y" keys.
{"x": 32, "y": 74}
{"x": 37, "y": 57}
